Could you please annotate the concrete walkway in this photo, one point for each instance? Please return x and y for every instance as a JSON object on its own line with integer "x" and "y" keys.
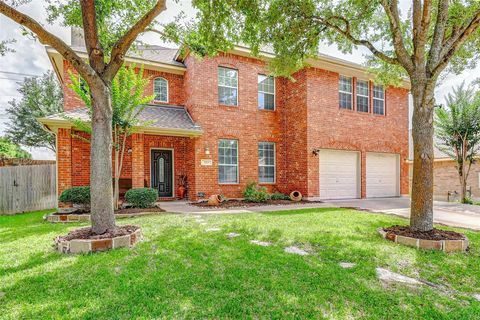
{"x": 184, "y": 207}
{"x": 447, "y": 213}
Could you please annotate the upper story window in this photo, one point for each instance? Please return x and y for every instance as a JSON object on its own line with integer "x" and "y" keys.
{"x": 345, "y": 92}
{"x": 160, "y": 89}
{"x": 266, "y": 92}
{"x": 227, "y": 86}
{"x": 378, "y": 99}
{"x": 266, "y": 162}
{"x": 227, "y": 161}
{"x": 362, "y": 96}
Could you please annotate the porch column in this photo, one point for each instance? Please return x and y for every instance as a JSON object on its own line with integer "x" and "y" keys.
{"x": 138, "y": 167}
{"x": 64, "y": 160}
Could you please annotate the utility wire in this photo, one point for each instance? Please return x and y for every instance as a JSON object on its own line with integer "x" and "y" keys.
{"x": 20, "y": 74}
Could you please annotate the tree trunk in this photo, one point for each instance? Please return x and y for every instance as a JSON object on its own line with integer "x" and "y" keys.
{"x": 103, "y": 218}
{"x": 421, "y": 215}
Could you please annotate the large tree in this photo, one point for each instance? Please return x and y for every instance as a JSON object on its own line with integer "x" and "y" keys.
{"x": 420, "y": 40}
{"x": 457, "y": 128}
{"x": 9, "y": 149}
{"x": 41, "y": 97}
{"x": 110, "y": 28}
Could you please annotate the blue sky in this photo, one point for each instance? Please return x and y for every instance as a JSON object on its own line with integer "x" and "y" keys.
{"x": 30, "y": 57}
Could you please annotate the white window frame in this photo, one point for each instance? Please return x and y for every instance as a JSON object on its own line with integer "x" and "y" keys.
{"x": 268, "y": 165}
{"x": 362, "y": 95}
{"x": 225, "y": 86}
{"x": 236, "y": 165}
{"x": 264, "y": 92}
{"x": 379, "y": 99}
{"x": 346, "y": 92}
{"x": 155, "y": 98}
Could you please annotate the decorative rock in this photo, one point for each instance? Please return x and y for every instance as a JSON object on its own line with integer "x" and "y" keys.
{"x": 233, "y": 235}
{"x": 411, "y": 242}
{"x": 93, "y": 245}
{"x": 296, "y": 250}
{"x": 261, "y": 243}
{"x": 388, "y": 276}
{"x": 347, "y": 265}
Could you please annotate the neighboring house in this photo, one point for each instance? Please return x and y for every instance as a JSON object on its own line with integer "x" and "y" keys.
{"x": 445, "y": 177}
{"x": 332, "y": 133}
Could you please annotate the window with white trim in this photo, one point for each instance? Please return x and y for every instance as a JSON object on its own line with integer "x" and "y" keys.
{"x": 227, "y": 86}
{"x": 266, "y": 92}
{"x": 227, "y": 161}
{"x": 266, "y": 162}
{"x": 345, "y": 92}
{"x": 160, "y": 89}
{"x": 362, "y": 95}
{"x": 378, "y": 99}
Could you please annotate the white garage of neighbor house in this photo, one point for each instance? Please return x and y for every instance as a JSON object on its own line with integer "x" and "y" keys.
{"x": 341, "y": 172}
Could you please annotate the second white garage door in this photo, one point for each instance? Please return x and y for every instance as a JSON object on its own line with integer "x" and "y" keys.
{"x": 382, "y": 175}
{"x": 339, "y": 174}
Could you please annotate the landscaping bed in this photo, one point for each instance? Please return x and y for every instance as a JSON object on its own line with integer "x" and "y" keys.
{"x": 436, "y": 239}
{"x": 84, "y": 240}
{"x": 243, "y": 203}
{"x": 82, "y": 216}
{"x": 119, "y": 211}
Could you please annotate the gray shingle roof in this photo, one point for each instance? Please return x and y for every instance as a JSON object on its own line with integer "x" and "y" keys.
{"x": 160, "y": 116}
{"x": 149, "y": 53}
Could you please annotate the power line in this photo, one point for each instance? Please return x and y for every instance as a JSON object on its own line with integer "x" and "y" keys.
{"x": 20, "y": 74}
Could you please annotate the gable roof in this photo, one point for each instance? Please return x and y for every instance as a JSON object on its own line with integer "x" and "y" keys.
{"x": 163, "y": 119}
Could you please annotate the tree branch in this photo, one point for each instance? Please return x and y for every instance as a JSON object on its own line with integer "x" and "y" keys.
{"x": 453, "y": 45}
{"x": 398, "y": 44}
{"x": 94, "y": 48}
{"x": 48, "y": 38}
{"x": 439, "y": 34}
{"x": 421, "y": 25}
{"x": 123, "y": 44}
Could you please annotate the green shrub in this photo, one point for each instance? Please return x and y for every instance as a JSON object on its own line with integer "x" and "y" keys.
{"x": 254, "y": 193}
{"x": 76, "y": 195}
{"x": 141, "y": 197}
{"x": 279, "y": 196}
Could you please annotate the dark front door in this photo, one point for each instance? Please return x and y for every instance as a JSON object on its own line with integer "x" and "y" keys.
{"x": 162, "y": 172}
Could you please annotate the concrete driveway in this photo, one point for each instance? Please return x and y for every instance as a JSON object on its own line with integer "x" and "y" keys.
{"x": 447, "y": 213}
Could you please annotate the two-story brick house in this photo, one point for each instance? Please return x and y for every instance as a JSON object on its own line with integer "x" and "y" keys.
{"x": 331, "y": 133}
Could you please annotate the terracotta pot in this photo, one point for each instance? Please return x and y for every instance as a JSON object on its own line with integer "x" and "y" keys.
{"x": 215, "y": 200}
{"x": 296, "y": 196}
{"x": 181, "y": 192}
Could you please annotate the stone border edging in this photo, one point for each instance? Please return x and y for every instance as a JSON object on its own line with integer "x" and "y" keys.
{"x": 64, "y": 218}
{"x": 94, "y": 245}
{"x": 441, "y": 245}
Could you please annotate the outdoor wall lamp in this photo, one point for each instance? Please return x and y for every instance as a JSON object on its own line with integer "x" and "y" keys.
{"x": 316, "y": 152}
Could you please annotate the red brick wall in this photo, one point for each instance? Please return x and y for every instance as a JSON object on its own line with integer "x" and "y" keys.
{"x": 176, "y": 92}
{"x": 334, "y": 128}
{"x": 245, "y": 122}
{"x": 64, "y": 160}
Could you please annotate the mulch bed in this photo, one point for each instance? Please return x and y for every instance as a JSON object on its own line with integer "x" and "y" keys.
{"x": 119, "y": 211}
{"x": 86, "y": 233}
{"x": 245, "y": 204}
{"x": 435, "y": 234}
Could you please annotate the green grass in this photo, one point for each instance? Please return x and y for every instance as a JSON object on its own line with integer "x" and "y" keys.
{"x": 181, "y": 271}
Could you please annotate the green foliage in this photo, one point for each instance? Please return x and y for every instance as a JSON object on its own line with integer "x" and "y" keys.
{"x": 279, "y": 196}
{"x": 255, "y": 193}
{"x": 9, "y": 149}
{"x": 41, "y": 97}
{"x": 76, "y": 195}
{"x": 141, "y": 197}
{"x": 457, "y": 125}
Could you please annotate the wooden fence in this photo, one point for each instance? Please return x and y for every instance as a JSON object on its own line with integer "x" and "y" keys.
{"x": 27, "y": 188}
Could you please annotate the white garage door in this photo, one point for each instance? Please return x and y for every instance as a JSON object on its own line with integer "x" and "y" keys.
{"x": 339, "y": 174}
{"x": 382, "y": 175}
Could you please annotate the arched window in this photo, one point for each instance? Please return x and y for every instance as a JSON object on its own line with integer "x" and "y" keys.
{"x": 160, "y": 89}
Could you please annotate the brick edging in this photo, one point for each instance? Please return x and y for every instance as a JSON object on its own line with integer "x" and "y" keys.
{"x": 65, "y": 218}
{"x": 441, "y": 245}
{"x": 94, "y": 245}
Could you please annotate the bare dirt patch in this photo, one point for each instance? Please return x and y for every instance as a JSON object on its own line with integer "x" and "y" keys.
{"x": 86, "y": 233}
{"x": 246, "y": 204}
{"x": 435, "y": 234}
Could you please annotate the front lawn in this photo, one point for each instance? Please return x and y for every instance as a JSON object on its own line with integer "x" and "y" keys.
{"x": 186, "y": 268}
